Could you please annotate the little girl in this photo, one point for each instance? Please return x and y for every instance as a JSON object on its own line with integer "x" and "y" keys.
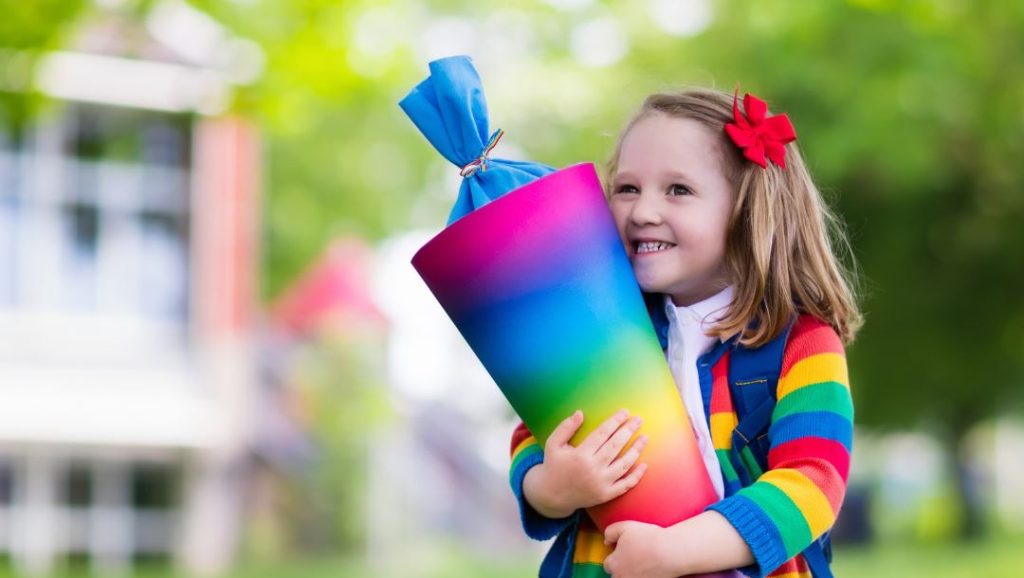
{"x": 732, "y": 246}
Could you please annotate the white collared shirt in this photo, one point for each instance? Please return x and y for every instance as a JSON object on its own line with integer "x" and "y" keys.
{"x": 686, "y": 342}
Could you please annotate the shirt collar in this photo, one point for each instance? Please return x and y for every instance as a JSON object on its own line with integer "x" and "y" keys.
{"x": 705, "y": 313}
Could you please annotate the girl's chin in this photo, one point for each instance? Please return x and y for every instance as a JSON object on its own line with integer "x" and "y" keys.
{"x": 650, "y": 286}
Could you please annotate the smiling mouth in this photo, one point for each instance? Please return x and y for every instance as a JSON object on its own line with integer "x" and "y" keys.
{"x": 647, "y": 247}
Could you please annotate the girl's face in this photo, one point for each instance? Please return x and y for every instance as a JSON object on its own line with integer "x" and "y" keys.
{"x": 671, "y": 203}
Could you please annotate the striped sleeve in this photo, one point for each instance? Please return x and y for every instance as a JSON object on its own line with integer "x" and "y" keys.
{"x": 811, "y": 436}
{"x": 526, "y": 453}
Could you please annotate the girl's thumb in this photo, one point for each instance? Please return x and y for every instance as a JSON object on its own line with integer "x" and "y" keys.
{"x": 563, "y": 433}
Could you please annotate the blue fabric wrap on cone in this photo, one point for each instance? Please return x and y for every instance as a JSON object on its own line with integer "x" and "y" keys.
{"x": 449, "y": 108}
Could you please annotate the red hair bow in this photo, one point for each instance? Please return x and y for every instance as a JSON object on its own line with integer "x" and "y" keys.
{"x": 759, "y": 135}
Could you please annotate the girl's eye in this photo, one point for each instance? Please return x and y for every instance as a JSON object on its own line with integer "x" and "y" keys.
{"x": 680, "y": 190}
{"x": 625, "y": 189}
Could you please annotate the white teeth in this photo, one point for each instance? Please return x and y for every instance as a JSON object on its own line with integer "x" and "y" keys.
{"x": 651, "y": 246}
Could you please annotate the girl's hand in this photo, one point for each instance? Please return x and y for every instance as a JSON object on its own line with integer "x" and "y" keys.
{"x": 592, "y": 473}
{"x": 641, "y": 551}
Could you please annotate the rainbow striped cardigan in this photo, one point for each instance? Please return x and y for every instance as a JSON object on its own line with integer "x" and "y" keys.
{"x": 785, "y": 508}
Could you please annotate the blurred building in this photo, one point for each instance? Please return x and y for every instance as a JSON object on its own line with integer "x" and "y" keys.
{"x": 128, "y": 260}
{"x": 452, "y": 437}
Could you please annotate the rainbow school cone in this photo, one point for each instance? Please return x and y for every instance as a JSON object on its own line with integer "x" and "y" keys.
{"x": 539, "y": 284}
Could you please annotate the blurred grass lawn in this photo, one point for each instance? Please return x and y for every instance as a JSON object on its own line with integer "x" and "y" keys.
{"x": 1002, "y": 558}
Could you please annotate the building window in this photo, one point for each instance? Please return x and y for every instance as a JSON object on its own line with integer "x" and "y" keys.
{"x": 154, "y": 487}
{"x": 165, "y": 267}
{"x": 136, "y": 505}
{"x": 9, "y": 213}
{"x": 6, "y": 484}
{"x": 78, "y": 486}
{"x": 155, "y": 501}
{"x": 78, "y": 501}
{"x": 8, "y": 245}
{"x": 6, "y": 512}
{"x": 81, "y": 225}
{"x": 106, "y": 212}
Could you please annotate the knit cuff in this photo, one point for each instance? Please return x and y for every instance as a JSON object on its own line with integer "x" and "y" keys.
{"x": 535, "y": 524}
{"x": 757, "y": 530}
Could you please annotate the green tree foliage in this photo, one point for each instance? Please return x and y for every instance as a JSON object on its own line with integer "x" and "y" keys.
{"x": 26, "y": 29}
{"x": 911, "y": 114}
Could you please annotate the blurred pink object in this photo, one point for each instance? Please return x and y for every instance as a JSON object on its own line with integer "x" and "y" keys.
{"x": 335, "y": 289}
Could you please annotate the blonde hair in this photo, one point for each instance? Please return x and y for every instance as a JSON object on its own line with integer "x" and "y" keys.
{"x": 781, "y": 237}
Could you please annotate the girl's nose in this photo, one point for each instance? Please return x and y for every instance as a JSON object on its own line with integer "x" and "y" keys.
{"x": 646, "y": 210}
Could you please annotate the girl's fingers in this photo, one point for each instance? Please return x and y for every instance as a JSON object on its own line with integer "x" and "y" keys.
{"x": 611, "y": 448}
{"x": 565, "y": 430}
{"x": 630, "y": 480}
{"x": 620, "y": 466}
{"x": 604, "y": 431}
